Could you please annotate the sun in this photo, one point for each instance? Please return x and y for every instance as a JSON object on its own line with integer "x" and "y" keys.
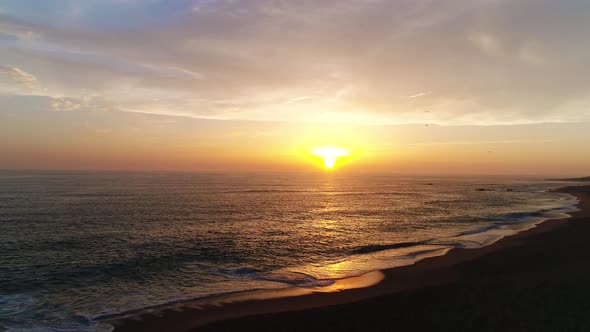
{"x": 330, "y": 154}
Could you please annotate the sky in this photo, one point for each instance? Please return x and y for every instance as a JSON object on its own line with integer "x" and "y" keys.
{"x": 416, "y": 87}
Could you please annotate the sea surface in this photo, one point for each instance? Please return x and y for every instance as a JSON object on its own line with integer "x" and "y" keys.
{"x": 78, "y": 247}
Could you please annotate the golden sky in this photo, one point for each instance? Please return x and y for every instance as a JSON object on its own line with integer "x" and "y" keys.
{"x": 412, "y": 87}
{"x": 129, "y": 141}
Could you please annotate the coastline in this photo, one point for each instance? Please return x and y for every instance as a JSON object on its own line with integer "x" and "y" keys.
{"x": 277, "y": 309}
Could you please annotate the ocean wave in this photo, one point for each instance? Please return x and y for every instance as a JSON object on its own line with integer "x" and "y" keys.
{"x": 481, "y": 236}
{"x": 381, "y": 247}
{"x": 18, "y": 312}
{"x": 297, "y": 279}
{"x": 239, "y": 272}
{"x": 15, "y": 304}
{"x": 478, "y": 230}
{"x": 331, "y": 192}
{"x": 518, "y": 216}
{"x": 266, "y": 191}
{"x": 290, "y": 278}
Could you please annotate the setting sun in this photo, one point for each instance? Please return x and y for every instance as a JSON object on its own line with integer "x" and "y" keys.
{"x": 330, "y": 154}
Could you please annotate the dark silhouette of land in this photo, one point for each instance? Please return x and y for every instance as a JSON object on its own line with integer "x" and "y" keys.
{"x": 583, "y": 179}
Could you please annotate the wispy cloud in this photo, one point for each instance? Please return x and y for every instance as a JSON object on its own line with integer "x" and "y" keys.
{"x": 487, "y": 143}
{"x": 418, "y": 95}
{"x": 26, "y": 80}
{"x": 487, "y": 43}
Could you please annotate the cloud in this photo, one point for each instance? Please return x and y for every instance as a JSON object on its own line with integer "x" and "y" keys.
{"x": 418, "y": 95}
{"x": 487, "y": 43}
{"x": 26, "y": 80}
{"x": 531, "y": 55}
{"x": 84, "y": 103}
{"x": 486, "y": 60}
{"x": 13, "y": 27}
{"x": 29, "y": 85}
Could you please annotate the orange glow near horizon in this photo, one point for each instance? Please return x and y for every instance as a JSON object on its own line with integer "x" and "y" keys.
{"x": 125, "y": 141}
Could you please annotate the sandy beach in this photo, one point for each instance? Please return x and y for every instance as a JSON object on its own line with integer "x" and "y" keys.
{"x": 535, "y": 280}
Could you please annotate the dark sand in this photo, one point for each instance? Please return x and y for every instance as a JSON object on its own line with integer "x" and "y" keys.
{"x": 537, "y": 280}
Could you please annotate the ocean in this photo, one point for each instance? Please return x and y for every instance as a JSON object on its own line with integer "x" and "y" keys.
{"x": 79, "y": 247}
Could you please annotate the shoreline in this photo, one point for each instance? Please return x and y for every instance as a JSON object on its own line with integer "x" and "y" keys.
{"x": 426, "y": 273}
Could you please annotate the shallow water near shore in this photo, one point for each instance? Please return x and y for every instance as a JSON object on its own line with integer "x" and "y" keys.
{"x": 81, "y": 246}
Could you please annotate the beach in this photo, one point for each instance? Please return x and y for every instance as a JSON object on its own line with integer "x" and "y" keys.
{"x": 283, "y": 165}
{"x": 534, "y": 280}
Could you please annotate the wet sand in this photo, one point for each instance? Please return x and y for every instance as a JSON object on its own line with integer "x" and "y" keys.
{"x": 536, "y": 280}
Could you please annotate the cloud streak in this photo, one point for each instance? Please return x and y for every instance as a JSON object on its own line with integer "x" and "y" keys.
{"x": 26, "y": 80}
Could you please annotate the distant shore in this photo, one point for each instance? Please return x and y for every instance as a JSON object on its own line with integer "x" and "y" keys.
{"x": 534, "y": 280}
